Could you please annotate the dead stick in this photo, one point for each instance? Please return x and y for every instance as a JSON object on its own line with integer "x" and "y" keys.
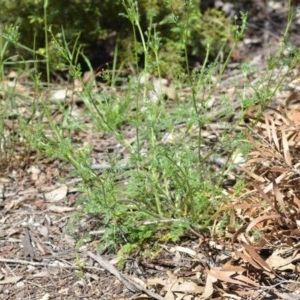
{"x": 132, "y": 286}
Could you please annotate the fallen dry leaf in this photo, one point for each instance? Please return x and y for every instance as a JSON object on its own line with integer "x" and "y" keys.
{"x": 57, "y": 194}
{"x": 45, "y": 297}
{"x": 209, "y": 287}
{"x": 27, "y": 246}
{"x": 60, "y": 209}
{"x": 181, "y": 285}
{"x": 286, "y": 149}
{"x": 260, "y": 219}
{"x": 231, "y": 277}
{"x": 278, "y": 262}
{"x": 11, "y": 279}
{"x": 253, "y": 254}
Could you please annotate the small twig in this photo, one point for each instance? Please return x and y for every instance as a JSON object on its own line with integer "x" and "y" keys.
{"x": 42, "y": 264}
{"x": 132, "y": 286}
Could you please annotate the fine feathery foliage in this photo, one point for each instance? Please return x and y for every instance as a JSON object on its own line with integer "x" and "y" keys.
{"x": 168, "y": 177}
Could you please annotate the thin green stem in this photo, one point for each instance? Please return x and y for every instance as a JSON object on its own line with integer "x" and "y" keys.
{"x": 47, "y": 49}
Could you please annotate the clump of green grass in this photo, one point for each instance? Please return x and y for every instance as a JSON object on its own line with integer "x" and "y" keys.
{"x": 167, "y": 184}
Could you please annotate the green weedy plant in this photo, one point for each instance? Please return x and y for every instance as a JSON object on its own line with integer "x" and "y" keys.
{"x": 165, "y": 187}
{"x": 169, "y": 186}
{"x": 4, "y": 140}
{"x": 11, "y": 98}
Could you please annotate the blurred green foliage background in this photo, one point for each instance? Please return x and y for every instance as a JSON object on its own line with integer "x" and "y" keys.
{"x": 100, "y": 25}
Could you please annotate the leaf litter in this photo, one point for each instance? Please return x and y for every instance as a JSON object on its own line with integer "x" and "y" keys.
{"x": 257, "y": 259}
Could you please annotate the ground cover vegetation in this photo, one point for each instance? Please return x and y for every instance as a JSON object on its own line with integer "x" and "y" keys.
{"x": 157, "y": 152}
{"x": 167, "y": 180}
